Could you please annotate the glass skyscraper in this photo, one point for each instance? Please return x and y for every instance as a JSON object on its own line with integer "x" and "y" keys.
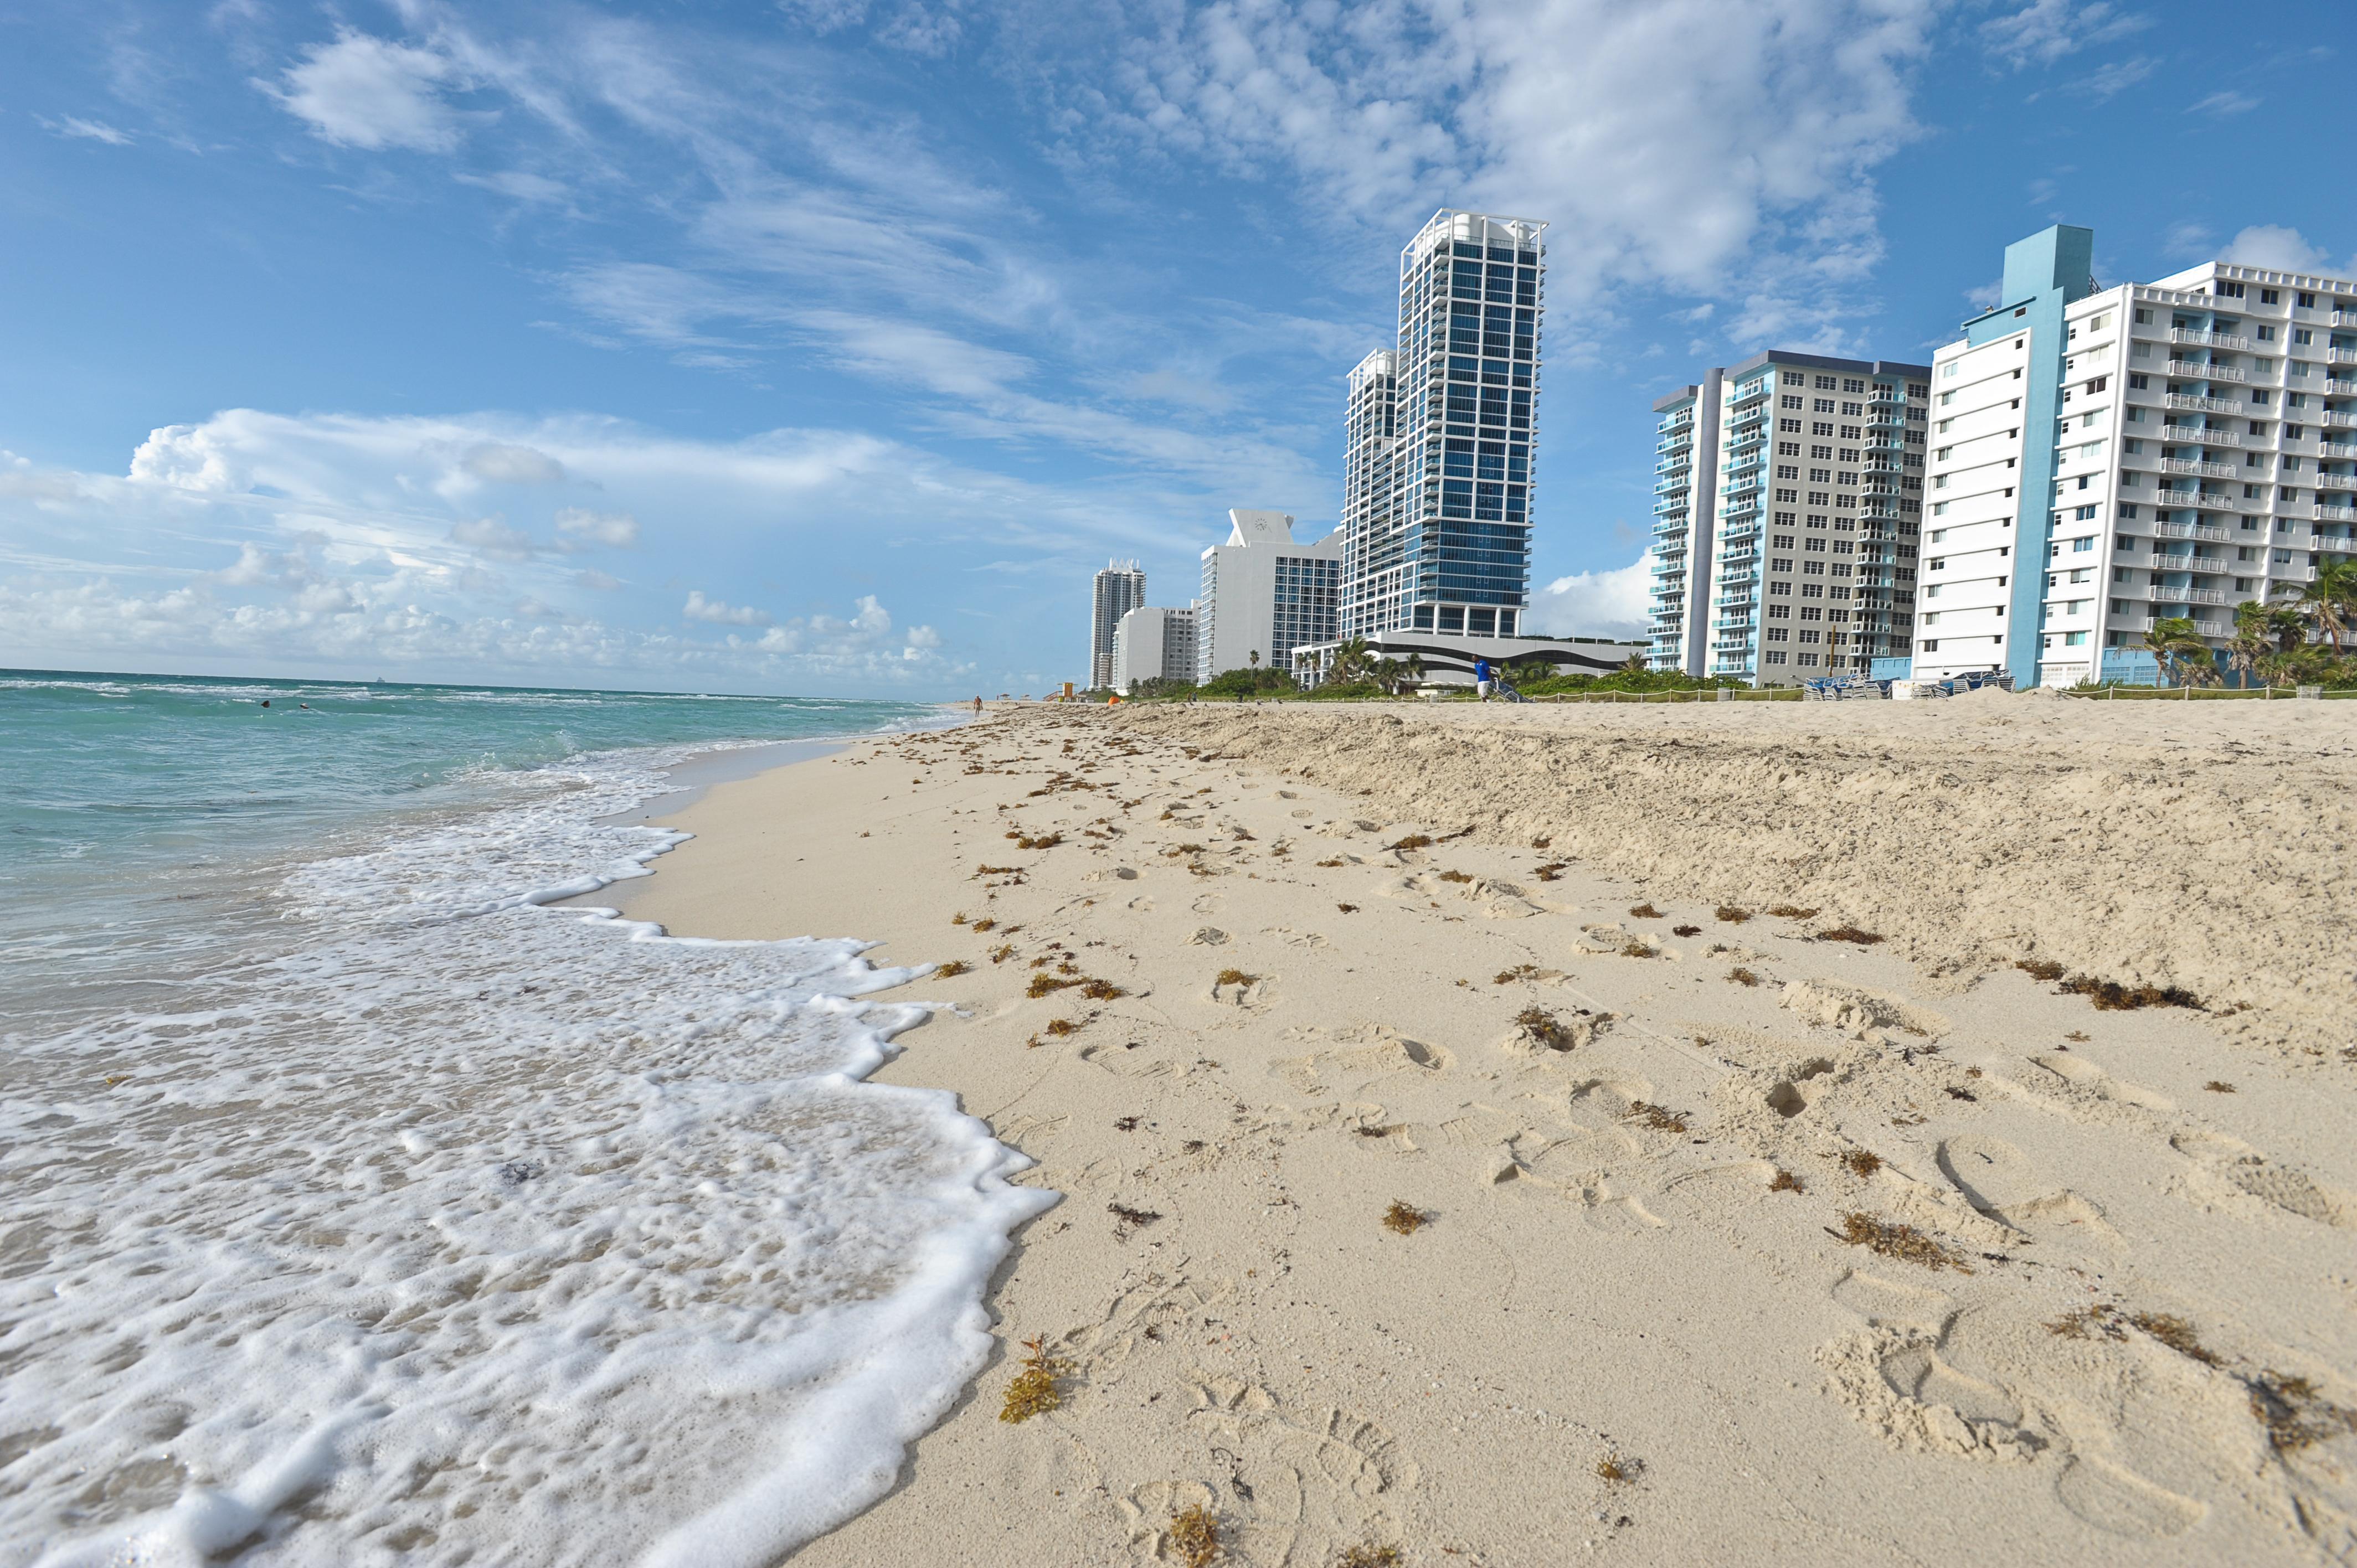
{"x": 1442, "y": 437}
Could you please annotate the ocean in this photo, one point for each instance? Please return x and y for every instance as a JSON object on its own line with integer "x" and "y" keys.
{"x": 359, "y": 1205}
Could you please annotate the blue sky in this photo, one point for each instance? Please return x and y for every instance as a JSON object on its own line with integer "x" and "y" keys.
{"x": 830, "y": 346}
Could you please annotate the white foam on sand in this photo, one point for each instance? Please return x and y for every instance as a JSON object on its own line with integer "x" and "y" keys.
{"x": 484, "y": 1231}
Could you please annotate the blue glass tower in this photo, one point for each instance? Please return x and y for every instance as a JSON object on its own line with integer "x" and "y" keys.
{"x": 1444, "y": 437}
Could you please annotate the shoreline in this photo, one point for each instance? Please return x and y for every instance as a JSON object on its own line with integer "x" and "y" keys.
{"x": 1593, "y": 1289}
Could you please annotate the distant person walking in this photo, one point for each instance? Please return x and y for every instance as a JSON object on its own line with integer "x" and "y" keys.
{"x": 977, "y": 707}
{"x": 1484, "y": 677}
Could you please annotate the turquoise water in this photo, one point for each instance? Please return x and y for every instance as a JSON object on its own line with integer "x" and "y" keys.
{"x": 143, "y": 817}
{"x": 364, "y": 1200}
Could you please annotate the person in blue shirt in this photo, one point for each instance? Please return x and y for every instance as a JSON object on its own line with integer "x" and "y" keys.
{"x": 1484, "y": 677}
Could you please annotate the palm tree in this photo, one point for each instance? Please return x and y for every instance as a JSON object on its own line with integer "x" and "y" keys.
{"x": 1416, "y": 667}
{"x": 2179, "y": 651}
{"x": 1252, "y": 658}
{"x": 2253, "y": 639}
{"x": 2331, "y": 600}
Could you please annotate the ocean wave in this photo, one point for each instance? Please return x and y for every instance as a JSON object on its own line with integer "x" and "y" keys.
{"x": 478, "y": 1228}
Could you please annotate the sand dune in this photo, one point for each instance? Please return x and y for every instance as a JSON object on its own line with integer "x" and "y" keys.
{"x": 1740, "y": 1244}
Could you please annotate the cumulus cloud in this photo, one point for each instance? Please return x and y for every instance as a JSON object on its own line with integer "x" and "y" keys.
{"x": 372, "y": 94}
{"x": 1614, "y": 603}
{"x": 504, "y": 464}
{"x": 617, "y": 529}
{"x": 2274, "y": 245}
{"x": 698, "y": 608}
{"x": 492, "y": 536}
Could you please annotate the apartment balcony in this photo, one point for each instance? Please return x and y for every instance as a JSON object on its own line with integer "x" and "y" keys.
{"x": 2208, "y": 339}
{"x": 2344, "y": 319}
{"x": 2170, "y": 595}
{"x": 2336, "y": 449}
{"x": 2193, "y": 370}
{"x": 2191, "y": 531}
{"x": 2335, "y": 513}
{"x": 2336, "y": 481}
{"x": 2207, "y": 434}
{"x": 2339, "y": 389}
{"x": 2198, "y": 404}
{"x": 2212, "y": 470}
{"x": 2280, "y": 573}
{"x": 2340, "y": 356}
{"x": 2338, "y": 420}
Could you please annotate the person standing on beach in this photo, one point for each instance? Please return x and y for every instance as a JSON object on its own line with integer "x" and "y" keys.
{"x": 977, "y": 707}
{"x": 1483, "y": 677}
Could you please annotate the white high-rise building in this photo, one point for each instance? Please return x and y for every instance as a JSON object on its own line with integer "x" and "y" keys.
{"x": 1120, "y": 588}
{"x": 1785, "y": 538}
{"x": 1442, "y": 437}
{"x": 1685, "y": 494}
{"x": 2103, "y": 458}
{"x": 1153, "y": 644}
{"x": 1262, "y": 595}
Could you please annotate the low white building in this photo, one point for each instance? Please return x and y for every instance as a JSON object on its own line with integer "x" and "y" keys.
{"x": 1264, "y": 595}
{"x": 2103, "y": 459}
{"x": 1447, "y": 661}
{"x": 1153, "y": 642}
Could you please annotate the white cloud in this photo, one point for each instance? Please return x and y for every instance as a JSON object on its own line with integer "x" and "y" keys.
{"x": 923, "y": 637}
{"x": 1615, "y": 603}
{"x": 504, "y": 464}
{"x": 373, "y": 93}
{"x": 1704, "y": 146}
{"x": 492, "y": 536}
{"x": 2045, "y": 30}
{"x": 2225, "y": 102}
{"x": 88, "y": 130}
{"x": 617, "y": 530}
{"x": 2273, "y": 245}
{"x": 2109, "y": 80}
{"x": 595, "y": 581}
{"x": 698, "y": 608}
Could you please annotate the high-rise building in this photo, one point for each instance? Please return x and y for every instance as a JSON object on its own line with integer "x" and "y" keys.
{"x": 2105, "y": 458}
{"x": 1788, "y": 503}
{"x": 1686, "y": 492}
{"x": 1153, "y": 644}
{"x": 1442, "y": 437}
{"x": 1120, "y": 588}
{"x": 1262, "y": 595}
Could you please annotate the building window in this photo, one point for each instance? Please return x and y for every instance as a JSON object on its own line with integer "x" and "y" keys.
{"x": 1931, "y": 645}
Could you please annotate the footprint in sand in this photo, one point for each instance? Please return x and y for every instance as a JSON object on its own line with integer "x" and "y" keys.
{"x": 1609, "y": 1207}
{"x": 2122, "y": 1503}
{"x": 1125, "y": 1059}
{"x": 1892, "y": 1304}
{"x": 2001, "y": 1182}
{"x": 2076, "y": 1087}
{"x": 2226, "y": 1166}
{"x": 1361, "y": 1056}
{"x": 1896, "y": 1383}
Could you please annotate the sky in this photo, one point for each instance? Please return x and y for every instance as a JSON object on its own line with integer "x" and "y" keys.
{"x": 829, "y": 346}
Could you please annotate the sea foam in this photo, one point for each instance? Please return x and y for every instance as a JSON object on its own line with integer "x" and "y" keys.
{"x": 471, "y": 1227}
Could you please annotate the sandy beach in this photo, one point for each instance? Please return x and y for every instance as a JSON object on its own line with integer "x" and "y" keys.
{"x": 1753, "y": 1202}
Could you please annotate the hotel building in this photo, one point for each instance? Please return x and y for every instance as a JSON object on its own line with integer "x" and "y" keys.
{"x": 1120, "y": 588}
{"x": 1153, "y": 644}
{"x": 1787, "y": 502}
{"x": 1264, "y": 595}
{"x": 1442, "y": 434}
{"x": 2103, "y": 458}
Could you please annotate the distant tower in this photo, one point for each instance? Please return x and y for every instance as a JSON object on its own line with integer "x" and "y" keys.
{"x": 1121, "y": 588}
{"x": 1442, "y": 437}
